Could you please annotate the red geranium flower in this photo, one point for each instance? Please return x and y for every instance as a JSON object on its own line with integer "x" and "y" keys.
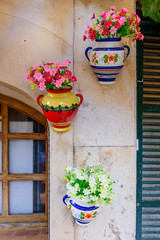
{"x": 111, "y": 58}
{"x": 88, "y": 215}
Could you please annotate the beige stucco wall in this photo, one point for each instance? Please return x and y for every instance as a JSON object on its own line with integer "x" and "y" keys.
{"x": 105, "y": 127}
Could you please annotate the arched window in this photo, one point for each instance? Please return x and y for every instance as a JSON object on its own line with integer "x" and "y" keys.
{"x": 23, "y": 163}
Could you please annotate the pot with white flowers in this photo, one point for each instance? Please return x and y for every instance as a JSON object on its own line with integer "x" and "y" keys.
{"x": 59, "y": 105}
{"x": 108, "y": 55}
{"x": 88, "y": 190}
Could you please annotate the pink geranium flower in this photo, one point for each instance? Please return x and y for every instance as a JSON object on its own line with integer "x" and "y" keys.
{"x": 58, "y": 64}
{"x": 122, "y": 20}
{"x": 58, "y": 84}
{"x": 46, "y": 68}
{"x": 42, "y": 86}
{"x": 85, "y": 32}
{"x": 87, "y": 26}
{"x": 61, "y": 80}
{"x": 67, "y": 63}
{"x": 26, "y": 77}
{"x": 37, "y": 75}
{"x": 53, "y": 71}
{"x": 39, "y": 65}
{"x": 108, "y": 15}
{"x": 113, "y": 30}
{"x": 98, "y": 27}
{"x": 100, "y": 30}
{"x": 134, "y": 13}
{"x": 41, "y": 81}
{"x": 34, "y": 67}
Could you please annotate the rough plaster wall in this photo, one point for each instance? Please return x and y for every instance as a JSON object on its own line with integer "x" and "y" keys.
{"x": 104, "y": 131}
{"x": 32, "y": 31}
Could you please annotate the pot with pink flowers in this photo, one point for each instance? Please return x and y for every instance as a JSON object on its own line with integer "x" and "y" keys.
{"x": 59, "y": 105}
{"x": 107, "y": 57}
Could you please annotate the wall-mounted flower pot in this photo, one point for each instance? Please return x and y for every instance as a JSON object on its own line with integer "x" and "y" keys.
{"x": 83, "y": 213}
{"x": 107, "y": 59}
{"x": 60, "y": 107}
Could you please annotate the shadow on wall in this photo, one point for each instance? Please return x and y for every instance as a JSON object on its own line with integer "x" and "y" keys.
{"x": 12, "y": 91}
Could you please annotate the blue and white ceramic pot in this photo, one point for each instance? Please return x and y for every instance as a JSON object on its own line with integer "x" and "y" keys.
{"x": 107, "y": 59}
{"x": 83, "y": 213}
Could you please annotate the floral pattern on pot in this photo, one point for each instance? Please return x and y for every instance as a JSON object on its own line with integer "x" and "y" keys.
{"x": 84, "y": 215}
{"x": 114, "y": 57}
{"x": 95, "y": 58}
{"x": 110, "y": 60}
{"x": 82, "y": 212}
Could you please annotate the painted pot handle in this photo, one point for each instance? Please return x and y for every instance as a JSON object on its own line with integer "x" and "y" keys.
{"x": 38, "y": 100}
{"x": 81, "y": 98}
{"x": 128, "y": 50}
{"x": 64, "y": 199}
{"x": 86, "y": 52}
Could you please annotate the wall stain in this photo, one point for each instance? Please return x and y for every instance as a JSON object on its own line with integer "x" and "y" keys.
{"x": 106, "y": 160}
{"x": 129, "y": 197}
{"x": 123, "y": 210}
{"x": 115, "y": 231}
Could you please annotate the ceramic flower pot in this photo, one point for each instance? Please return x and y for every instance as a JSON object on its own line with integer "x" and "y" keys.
{"x": 107, "y": 59}
{"x": 60, "y": 107}
{"x": 83, "y": 213}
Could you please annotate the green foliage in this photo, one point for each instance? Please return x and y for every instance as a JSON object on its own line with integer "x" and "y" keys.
{"x": 124, "y": 31}
{"x": 151, "y": 8}
{"x": 82, "y": 213}
{"x": 116, "y": 58}
{"x": 91, "y": 184}
{"x": 105, "y": 58}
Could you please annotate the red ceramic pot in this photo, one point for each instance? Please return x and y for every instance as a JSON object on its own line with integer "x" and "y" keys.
{"x": 60, "y": 107}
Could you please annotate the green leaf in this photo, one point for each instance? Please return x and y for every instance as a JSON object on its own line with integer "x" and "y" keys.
{"x": 82, "y": 213}
{"x": 151, "y": 8}
{"x": 95, "y": 213}
{"x": 116, "y": 58}
{"x": 82, "y": 217}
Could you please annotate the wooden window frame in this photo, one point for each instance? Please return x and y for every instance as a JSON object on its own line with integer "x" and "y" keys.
{"x": 5, "y": 177}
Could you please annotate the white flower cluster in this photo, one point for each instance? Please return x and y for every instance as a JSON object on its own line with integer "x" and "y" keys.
{"x": 91, "y": 184}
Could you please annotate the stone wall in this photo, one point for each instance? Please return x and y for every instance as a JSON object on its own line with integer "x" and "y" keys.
{"x": 104, "y": 130}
